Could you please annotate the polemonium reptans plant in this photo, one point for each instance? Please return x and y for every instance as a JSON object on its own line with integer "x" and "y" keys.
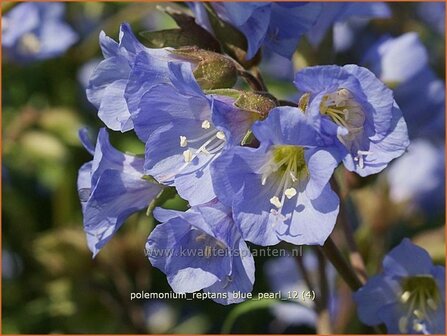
{"x": 254, "y": 167}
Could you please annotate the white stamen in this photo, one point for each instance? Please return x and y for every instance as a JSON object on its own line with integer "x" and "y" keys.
{"x": 344, "y": 93}
{"x": 183, "y": 141}
{"x": 290, "y": 192}
{"x": 206, "y": 124}
{"x": 220, "y": 135}
{"x": 432, "y": 304}
{"x": 360, "y": 158}
{"x": 405, "y": 296}
{"x": 418, "y": 326}
{"x": 276, "y": 202}
{"x": 294, "y": 178}
{"x": 418, "y": 314}
{"x": 187, "y": 155}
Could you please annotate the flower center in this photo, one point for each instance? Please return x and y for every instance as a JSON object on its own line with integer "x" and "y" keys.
{"x": 288, "y": 167}
{"x": 210, "y": 142}
{"x": 29, "y": 44}
{"x": 345, "y": 111}
{"x": 420, "y": 295}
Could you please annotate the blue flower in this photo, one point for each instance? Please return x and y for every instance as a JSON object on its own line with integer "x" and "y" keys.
{"x": 333, "y": 13}
{"x": 111, "y": 187}
{"x": 36, "y": 31}
{"x": 280, "y": 190}
{"x": 184, "y": 129}
{"x": 391, "y": 60}
{"x": 402, "y": 63}
{"x": 277, "y": 25}
{"x": 110, "y": 78}
{"x": 350, "y": 103}
{"x": 202, "y": 249}
{"x": 418, "y": 177}
{"x": 408, "y": 296}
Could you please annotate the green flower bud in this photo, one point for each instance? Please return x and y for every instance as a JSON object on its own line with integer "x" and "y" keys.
{"x": 213, "y": 70}
{"x": 259, "y": 103}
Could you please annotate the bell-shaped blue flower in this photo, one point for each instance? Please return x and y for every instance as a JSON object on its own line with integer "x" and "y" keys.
{"x": 280, "y": 190}
{"x": 408, "y": 296}
{"x": 350, "y": 103}
{"x": 202, "y": 249}
{"x": 111, "y": 187}
{"x": 109, "y": 80}
{"x": 36, "y": 31}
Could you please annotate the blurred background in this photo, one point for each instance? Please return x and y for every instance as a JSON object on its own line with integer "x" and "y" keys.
{"x": 51, "y": 284}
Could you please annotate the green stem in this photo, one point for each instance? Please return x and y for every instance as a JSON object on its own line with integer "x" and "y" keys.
{"x": 355, "y": 257}
{"x": 333, "y": 254}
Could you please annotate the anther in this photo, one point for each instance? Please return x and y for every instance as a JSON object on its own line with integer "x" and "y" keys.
{"x": 183, "y": 141}
{"x": 220, "y": 135}
{"x": 187, "y": 155}
{"x": 290, "y": 192}
{"x": 206, "y": 124}
{"x": 276, "y": 202}
{"x": 405, "y": 296}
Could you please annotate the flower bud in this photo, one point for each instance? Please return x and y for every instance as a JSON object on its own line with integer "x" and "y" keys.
{"x": 256, "y": 102}
{"x": 213, "y": 70}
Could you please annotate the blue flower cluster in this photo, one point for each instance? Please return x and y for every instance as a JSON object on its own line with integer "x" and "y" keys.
{"x": 250, "y": 169}
{"x": 257, "y": 170}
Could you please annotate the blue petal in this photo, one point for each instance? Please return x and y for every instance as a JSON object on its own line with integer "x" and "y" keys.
{"x": 21, "y": 19}
{"x": 162, "y": 104}
{"x": 302, "y": 215}
{"x": 148, "y": 70}
{"x": 108, "y": 71}
{"x": 113, "y": 109}
{"x": 107, "y": 157}
{"x": 378, "y": 292}
{"x": 407, "y": 259}
{"x": 84, "y": 183}
{"x": 114, "y": 198}
{"x": 324, "y": 79}
{"x": 252, "y": 19}
{"x": 380, "y": 98}
{"x": 241, "y": 279}
{"x": 339, "y": 12}
{"x": 321, "y": 164}
{"x": 86, "y": 141}
{"x": 109, "y": 46}
{"x": 233, "y": 121}
{"x": 396, "y": 60}
{"x": 288, "y": 23}
{"x": 288, "y": 126}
